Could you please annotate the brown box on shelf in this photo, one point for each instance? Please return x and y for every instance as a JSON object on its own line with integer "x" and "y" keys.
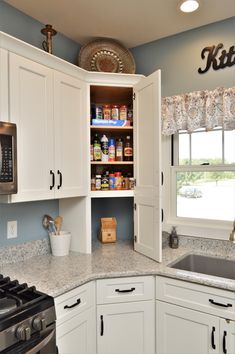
{"x": 108, "y": 230}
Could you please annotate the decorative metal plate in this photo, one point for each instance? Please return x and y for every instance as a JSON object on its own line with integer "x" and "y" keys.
{"x": 106, "y": 55}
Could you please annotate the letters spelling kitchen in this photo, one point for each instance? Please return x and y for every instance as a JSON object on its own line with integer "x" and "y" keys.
{"x": 217, "y": 62}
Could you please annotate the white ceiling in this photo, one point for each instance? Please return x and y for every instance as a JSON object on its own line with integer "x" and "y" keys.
{"x": 132, "y": 22}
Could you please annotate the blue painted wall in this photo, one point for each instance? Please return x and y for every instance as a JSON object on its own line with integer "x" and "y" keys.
{"x": 29, "y": 215}
{"x": 26, "y": 28}
{"x": 179, "y": 58}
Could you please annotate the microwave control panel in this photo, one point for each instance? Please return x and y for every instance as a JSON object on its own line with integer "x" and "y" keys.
{"x": 6, "y": 159}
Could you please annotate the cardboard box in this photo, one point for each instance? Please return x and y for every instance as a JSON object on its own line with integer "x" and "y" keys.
{"x": 112, "y": 123}
{"x": 108, "y": 230}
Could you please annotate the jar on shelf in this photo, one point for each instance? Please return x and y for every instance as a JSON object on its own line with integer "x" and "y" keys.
{"x": 131, "y": 183}
{"x": 119, "y": 149}
{"x": 93, "y": 183}
{"x": 111, "y": 181}
{"x": 97, "y": 148}
{"x": 125, "y": 183}
{"x": 118, "y": 180}
{"x": 98, "y": 182}
{"x": 128, "y": 150}
{"x": 105, "y": 181}
{"x": 107, "y": 112}
{"x": 115, "y": 112}
{"x": 98, "y": 112}
{"x": 123, "y": 113}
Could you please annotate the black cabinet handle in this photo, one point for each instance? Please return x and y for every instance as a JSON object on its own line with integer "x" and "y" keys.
{"x": 224, "y": 343}
{"x": 73, "y": 305}
{"x": 125, "y": 291}
{"x": 60, "y": 182}
{"x": 219, "y": 304}
{"x": 53, "y": 180}
{"x": 101, "y": 325}
{"x": 213, "y": 338}
{"x": 162, "y": 215}
{"x": 162, "y": 178}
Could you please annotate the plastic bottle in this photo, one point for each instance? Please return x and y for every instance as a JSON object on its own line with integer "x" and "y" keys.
{"x": 119, "y": 150}
{"x": 174, "y": 239}
{"x": 97, "y": 148}
{"x": 128, "y": 150}
{"x": 104, "y": 148}
{"x": 111, "y": 181}
{"x": 111, "y": 149}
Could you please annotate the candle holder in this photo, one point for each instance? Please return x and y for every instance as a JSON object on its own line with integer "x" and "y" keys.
{"x": 49, "y": 32}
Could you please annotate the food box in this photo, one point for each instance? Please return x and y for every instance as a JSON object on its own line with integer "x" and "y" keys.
{"x": 108, "y": 230}
{"x": 110, "y": 123}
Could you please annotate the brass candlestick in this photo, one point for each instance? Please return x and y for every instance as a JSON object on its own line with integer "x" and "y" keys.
{"x": 49, "y": 32}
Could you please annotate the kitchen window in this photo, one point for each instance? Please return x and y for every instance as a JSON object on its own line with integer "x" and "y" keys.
{"x": 203, "y": 175}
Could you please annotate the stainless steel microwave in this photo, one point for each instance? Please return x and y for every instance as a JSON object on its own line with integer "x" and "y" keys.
{"x": 8, "y": 158}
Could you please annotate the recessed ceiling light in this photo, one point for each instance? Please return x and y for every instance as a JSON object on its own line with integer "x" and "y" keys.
{"x": 189, "y": 5}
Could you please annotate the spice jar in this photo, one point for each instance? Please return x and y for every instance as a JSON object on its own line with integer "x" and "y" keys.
{"x": 93, "y": 184}
{"x": 125, "y": 183}
{"x": 107, "y": 112}
{"x": 131, "y": 183}
{"x": 115, "y": 112}
{"x": 98, "y": 182}
{"x": 123, "y": 113}
{"x": 118, "y": 180}
{"x": 111, "y": 181}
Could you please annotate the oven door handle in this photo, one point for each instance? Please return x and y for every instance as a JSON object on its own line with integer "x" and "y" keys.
{"x": 41, "y": 344}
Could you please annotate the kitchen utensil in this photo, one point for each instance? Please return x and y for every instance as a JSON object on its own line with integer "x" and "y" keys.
{"x": 58, "y": 223}
{"x": 46, "y": 222}
{"x": 52, "y": 226}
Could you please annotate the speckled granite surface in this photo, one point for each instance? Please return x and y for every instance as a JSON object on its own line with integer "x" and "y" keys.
{"x": 56, "y": 275}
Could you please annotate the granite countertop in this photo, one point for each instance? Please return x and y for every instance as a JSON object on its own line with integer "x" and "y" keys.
{"x": 57, "y": 275}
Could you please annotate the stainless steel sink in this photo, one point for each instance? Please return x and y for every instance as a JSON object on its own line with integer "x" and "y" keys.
{"x": 219, "y": 267}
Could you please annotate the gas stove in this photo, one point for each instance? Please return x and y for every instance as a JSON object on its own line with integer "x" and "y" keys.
{"x": 27, "y": 319}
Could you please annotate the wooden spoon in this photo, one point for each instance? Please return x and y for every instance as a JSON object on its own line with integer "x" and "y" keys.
{"x": 58, "y": 223}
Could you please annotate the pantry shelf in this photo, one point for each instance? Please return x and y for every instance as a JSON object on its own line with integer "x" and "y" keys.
{"x": 111, "y": 128}
{"x": 112, "y": 194}
{"x": 112, "y": 163}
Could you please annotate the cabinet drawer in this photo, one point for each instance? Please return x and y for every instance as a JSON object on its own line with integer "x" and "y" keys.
{"x": 75, "y": 301}
{"x": 125, "y": 289}
{"x": 195, "y": 296}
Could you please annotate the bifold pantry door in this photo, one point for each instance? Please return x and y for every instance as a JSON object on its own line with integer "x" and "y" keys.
{"x": 147, "y": 147}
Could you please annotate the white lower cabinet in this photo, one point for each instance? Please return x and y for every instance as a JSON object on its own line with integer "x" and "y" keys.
{"x": 193, "y": 319}
{"x": 76, "y": 321}
{"x": 76, "y": 336}
{"x": 126, "y": 316}
{"x": 126, "y": 328}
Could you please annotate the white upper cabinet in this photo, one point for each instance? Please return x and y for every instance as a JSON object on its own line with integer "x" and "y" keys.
{"x": 47, "y": 107}
{"x": 69, "y": 102}
{"x": 31, "y": 108}
{"x": 147, "y": 166}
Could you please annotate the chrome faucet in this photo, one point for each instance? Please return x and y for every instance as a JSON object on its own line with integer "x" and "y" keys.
{"x": 232, "y": 235}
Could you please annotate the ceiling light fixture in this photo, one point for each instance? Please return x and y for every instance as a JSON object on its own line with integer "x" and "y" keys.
{"x": 189, "y": 5}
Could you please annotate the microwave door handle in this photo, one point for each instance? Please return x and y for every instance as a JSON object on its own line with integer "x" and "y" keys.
{"x": 0, "y": 158}
{"x": 36, "y": 349}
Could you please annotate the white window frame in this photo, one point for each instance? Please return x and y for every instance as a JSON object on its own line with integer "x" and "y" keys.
{"x": 215, "y": 229}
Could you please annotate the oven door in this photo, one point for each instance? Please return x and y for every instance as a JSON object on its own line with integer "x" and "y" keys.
{"x": 43, "y": 343}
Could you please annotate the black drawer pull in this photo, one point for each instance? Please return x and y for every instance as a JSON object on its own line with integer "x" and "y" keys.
{"x": 53, "y": 180}
{"x": 224, "y": 343}
{"x": 60, "y": 181}
{"x": 101, "y": 325}
{"x": 213, "y": 338}
{"x": 125, "y": 291}
{"x": 71, "y": 306}
{"x": 219, "y": 304}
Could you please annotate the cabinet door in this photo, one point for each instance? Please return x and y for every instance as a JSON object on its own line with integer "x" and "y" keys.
{"x": 77, "y": 335}
{"x": 227, "y": 336}
{"x": 31, "y": 108}
{"x": 147, "y": 152}
{"x": 4, "y": 116}
{"x": 184, "y": 331}
{"x": 69, "y": 135}
{"x": 126, "y": 328}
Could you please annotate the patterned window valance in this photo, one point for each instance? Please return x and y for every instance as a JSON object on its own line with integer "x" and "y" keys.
{"x": 199, "y": 109}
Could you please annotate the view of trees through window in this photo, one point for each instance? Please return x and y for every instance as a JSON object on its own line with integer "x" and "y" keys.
{"x": 206, "y": 189}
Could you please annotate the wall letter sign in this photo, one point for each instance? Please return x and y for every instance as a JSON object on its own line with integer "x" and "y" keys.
{"x": 217, "y": 58}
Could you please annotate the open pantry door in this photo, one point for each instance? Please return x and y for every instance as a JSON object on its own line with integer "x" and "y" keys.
{"x": 147, "y": 170}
